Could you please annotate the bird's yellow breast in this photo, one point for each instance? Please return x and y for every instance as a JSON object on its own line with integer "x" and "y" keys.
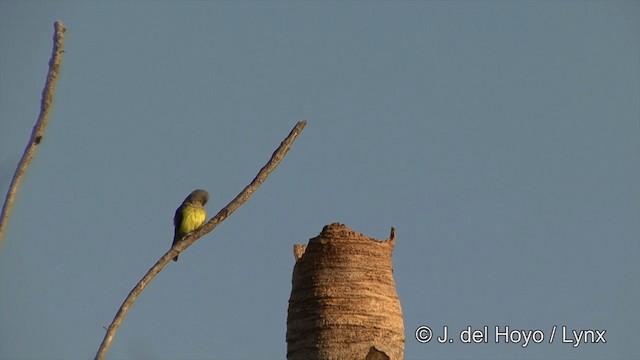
{"x": 193, "y": 217}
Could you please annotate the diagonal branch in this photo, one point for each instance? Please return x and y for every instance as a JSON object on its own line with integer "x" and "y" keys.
{"x": 244, "y": 195}
{"x": 38, "y": 129}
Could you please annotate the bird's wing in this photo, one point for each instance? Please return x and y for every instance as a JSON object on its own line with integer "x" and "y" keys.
{"x": 177, "y": 220}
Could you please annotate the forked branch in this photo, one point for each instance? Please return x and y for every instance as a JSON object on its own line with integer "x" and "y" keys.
{"x": 244, "y": 195}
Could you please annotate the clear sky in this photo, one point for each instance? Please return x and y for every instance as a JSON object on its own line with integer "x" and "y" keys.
{"x": 501, "y": 139}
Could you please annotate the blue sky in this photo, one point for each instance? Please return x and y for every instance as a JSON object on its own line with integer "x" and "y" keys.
{"x": 500, "y": 139}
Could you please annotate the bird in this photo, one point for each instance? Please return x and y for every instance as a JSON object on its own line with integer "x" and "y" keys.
{"x": 190, "y": 215}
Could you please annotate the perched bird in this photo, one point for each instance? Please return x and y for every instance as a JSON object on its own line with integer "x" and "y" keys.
{"x": 190, "y": 215}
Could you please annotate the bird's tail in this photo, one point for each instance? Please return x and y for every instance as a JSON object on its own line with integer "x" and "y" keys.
{"x": 176, "y": 238}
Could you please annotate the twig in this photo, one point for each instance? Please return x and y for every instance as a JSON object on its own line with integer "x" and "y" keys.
{"x": 38, "y": 129}
{"x": 244, "y": 195}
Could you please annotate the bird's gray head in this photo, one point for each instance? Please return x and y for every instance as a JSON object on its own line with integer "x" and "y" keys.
{"x": 198, "y": 196}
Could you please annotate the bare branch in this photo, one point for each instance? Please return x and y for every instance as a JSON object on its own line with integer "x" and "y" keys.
{"x": 38, "y": 129}
{"x": 244, "y": 195}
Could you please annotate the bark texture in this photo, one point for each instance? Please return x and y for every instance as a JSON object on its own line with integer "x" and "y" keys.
{"x": 344, "y": 303}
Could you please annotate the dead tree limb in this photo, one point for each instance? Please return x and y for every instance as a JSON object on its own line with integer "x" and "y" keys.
{"x": 343, "y": 302}
{"x": 244, "y": 195}
{"x": 38, "y": 129}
